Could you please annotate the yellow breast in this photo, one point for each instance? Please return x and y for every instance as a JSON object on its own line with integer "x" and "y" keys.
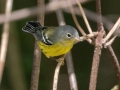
{"x": 54, "y": 50}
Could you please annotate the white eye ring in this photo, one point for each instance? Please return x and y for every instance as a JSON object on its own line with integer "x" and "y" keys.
{"x": 68, "y": 35}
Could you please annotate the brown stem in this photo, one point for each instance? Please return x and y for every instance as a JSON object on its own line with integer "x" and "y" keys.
{"x": 57, "y": 70}
{"x": 98, "y": 47}
{"x": 96, "y": 60}
{"x": 115, "y": 63}
{"x": 35, "y": 68}
{"x": 72, "y": 77}
{"x": 37, "y": 54}
{"x": 99, "y": 17}
{"x": 51, "y": 7}
{"x": 5, "y": 36}
{"x": 95, "y": 65}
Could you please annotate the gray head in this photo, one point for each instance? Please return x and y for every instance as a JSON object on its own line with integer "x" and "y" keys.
{"x": 63, "y": 34}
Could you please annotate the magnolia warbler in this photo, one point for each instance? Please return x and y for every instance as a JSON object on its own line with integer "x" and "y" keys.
{"x": 54, "y": 42}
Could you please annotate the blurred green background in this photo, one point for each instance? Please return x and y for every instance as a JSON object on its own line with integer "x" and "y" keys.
{"x": 18, "y": 65}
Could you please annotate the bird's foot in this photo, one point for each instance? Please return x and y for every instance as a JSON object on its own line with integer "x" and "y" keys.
{"x": 60, "y": 61}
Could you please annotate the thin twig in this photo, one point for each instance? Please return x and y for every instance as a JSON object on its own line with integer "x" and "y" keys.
{"x": 99, "y": 16}
{"x": 97, "y": 51}
{"x": 5, "y": 36}
{"x": 50, "y": 7}
{"x": 61, "y": 21}
{"x": 88, "y": 36}
{"x": 57, "y": 70}
{"x": 60, "y": 17}
{"x": 18, "y": 14}
{"x": 37, "y": 54}
{"x": 84, "y": 17}
{"x": 115, "y": 27}
{"x": 92, "y": 16}
{"x": 72, "y": 78}
{"x": 76, "y": 21}
{"x": 116, "y": 87}
{"x": 110, "y": 41}
{"x": 115, "y": 63}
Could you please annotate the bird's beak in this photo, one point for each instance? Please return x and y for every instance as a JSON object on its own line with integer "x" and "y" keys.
{"x": 77, "y": 39}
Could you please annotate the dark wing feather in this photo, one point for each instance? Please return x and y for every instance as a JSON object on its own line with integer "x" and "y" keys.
{"x": 37, "y": 30}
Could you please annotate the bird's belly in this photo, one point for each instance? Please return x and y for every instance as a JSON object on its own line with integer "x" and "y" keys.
{"x": 54, "y": 50}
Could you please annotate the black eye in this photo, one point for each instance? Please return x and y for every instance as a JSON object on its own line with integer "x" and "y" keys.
{"x": 69, "y": 35}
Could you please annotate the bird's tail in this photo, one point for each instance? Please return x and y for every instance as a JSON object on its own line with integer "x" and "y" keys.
{"x": 32, "y": 27}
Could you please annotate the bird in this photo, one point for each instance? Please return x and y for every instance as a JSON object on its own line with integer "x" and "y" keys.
{"x": 54, "y": 42}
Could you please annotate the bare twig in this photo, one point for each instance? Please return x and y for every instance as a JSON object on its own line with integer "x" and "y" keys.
{"x": 111, "y": 52}
{"x": 61, "y": 21}
{"x": 5, "y": 36}
{"x": 115, "y": 27}
{"x": 115, "y": 63}
{"x": 52, "y": 6}
{"x": 84, "y": 17}
{"x": 37, "y": 54}
{"x": 57, "y": 69}
{"x": 99, "y": 16}
{"x": 76, "y": 21}
{"x": 60, "y": 17}
{"x": 88, "y": 36}
{"x": 96, "y": 60}
{"x": 97, "y": 51}
{"x": 110, "y": 42}
{"x": 92, "y": 16}
{"x": 116, "y": 87}
{"x": 72, "y": 78}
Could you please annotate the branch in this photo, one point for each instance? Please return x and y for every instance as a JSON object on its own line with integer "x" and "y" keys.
{"x": 5, "y": 37}
{"x": 115, "y": 63}
{"x": 35, "y": 68}
{"x": 76, "y": 21}
{"x": 84, "y": 17}
{"x": 61, "y": 21}
{"x": 50, "y": 7}
{"x": 115, "y": 27}
{"x": 96, "y": 60}
{"x": 111, "y": 52}
{"x": 92, "y": 16}
{"x": 57, "y": 70}
{"x": 116, "y": 87}
{"x": 72, "y": 78}
{"x": 88, "y": 36}
{"x": 99, "y": 16}
{"x": 97, "y": 51}
{"x": 37, "y": 54}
